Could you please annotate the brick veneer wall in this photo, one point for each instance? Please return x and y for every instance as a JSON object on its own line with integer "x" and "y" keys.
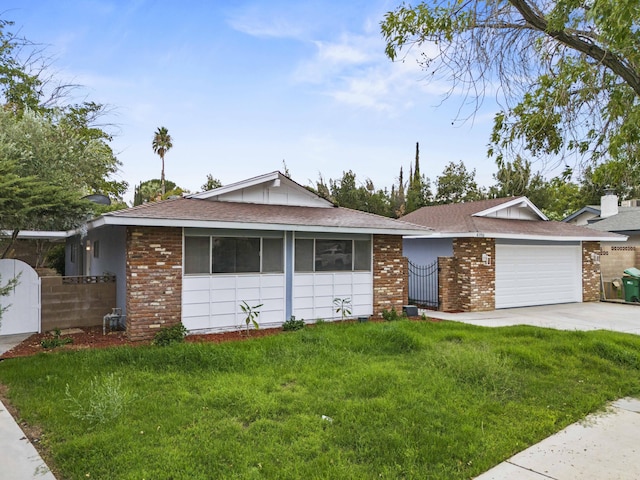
{"x": 476, "y": 281}
{"x": 154, "y": 280}
{"x": 390, "y": 274}
{"x": 448, "y": 285}
{"x": 590, "y": 272}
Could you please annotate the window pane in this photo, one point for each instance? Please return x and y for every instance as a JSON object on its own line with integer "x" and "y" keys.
{"x": 333, "y": 255}
{"x": 248, "y": 255}
{"x": 304, "y": 256}
{"x": 196, "y": 255}
{"x": 362, "y": 255}
{"x": 272, "y": 255}
{"x": 224, "y": 255}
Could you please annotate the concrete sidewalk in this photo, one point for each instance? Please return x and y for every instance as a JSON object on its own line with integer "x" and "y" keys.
{"x": 19, "y": 459}
{"x": 603, "y": 446}
{"x": 567, "y": 316}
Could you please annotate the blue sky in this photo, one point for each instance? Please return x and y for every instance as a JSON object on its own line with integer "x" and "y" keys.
{"x": 242, "y": 86}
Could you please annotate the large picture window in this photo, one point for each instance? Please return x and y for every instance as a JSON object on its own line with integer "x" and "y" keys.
{"x": 205, "y": 255}
{"x": 327, "y": 255}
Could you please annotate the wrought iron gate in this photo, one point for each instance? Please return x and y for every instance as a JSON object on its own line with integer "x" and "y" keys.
{"x": 423, "y": 285}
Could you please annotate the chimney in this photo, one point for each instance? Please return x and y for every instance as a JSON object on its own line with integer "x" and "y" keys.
{"x": 608, "y": 203}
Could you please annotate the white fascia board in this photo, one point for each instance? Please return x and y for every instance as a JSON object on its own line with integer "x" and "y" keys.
{"x": 274, "y": 177}
{"x": 250, "y": 182}
{"x": 37, "y": 234}
{"x": 512, "y": 203}
{"x": 507, "y": 236}
{"x": 160, "y": 222}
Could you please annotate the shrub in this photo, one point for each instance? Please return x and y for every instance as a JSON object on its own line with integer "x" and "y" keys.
{"x": 56, "y": 341}
{"x": 168, "y": 335}
{"x": 391, "y": 315}
{"x": 293, "y": 324}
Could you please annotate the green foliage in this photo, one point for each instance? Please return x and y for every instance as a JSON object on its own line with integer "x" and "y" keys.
{"x": 151, "y": 191}
{"x": 5, "y": 290}
{"x": 170, "y": 335}
{"x": 211, "y": 183}
{"x": 346, "y": 193}
{"x": 407, "y": 399}
{"x": 56, "y": 258}
{"x": 252, "y": 314}
{"x": 56, "y": 340}
{"x": 102, "y": 401}
{"x": 342, "y": 306}
{"x": 292, "y": 324}
{"x": 567, "y": 72}
{"x": 391, "y": 315}
{"x": 457, "y": 184}
{"x": 161, "y": 144}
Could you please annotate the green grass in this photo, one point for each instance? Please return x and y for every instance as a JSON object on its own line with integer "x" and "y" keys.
{"x": 404, "y": 400}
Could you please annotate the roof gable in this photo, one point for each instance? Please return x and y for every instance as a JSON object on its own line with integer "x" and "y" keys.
{"x": 520, "y": 208}
{"x": 270, "y": 189}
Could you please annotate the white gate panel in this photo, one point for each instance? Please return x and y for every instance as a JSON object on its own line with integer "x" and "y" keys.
{"x": 23, "y": 303}
{"x": 529, "y": 275}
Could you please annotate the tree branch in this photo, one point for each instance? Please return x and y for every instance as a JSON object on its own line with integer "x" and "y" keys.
{"x": 603, "y": 56}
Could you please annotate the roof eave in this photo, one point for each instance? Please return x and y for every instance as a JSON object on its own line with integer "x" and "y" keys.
{"x": 523, "y": 236}
{"x": 163, "y": 222}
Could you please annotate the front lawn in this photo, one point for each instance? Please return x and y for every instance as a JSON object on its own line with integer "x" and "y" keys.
{"x": 334, "y": 401}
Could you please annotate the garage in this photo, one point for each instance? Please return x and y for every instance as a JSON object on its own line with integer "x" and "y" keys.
{"x": 503, "y": 253}
{"x": 540, "y": 273}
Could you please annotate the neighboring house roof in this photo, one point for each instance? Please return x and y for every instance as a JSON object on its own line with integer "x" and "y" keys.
{"x": 627, "y": 220}
{"x": 512, "y": 218}
{"x": 590, "y": 210}
{"x": 267, "y": 202}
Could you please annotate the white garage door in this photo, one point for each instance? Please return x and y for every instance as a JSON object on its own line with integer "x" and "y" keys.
{"x": 537, "y": 275}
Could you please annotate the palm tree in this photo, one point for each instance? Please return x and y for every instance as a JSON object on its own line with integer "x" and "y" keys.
{"x": 161, "y": 144}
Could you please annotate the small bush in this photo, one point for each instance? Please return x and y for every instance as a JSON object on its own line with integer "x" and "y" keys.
{"x": 391, "y": 315}
{"x": 293, "y": 324}
{"x": 168, "y": 335}
{"x": 56, "y": 341}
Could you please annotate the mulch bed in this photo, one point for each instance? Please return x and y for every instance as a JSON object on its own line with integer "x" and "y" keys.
{"x": 92, "y": 337}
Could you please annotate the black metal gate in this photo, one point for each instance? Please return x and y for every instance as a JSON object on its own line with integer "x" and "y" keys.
{"x": 423, "y": 285}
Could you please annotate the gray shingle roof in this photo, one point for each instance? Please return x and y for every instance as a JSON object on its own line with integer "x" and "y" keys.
{"x": 627, "y": 219}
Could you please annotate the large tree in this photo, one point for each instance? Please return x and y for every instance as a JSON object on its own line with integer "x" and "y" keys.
{"x": 567, "y": 71}
{"x": 457, "y": 184}
{"x": 52, "y": 153}
{"x": 161, "y": 144}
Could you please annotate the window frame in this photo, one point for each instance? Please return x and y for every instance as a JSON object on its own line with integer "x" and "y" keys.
{"x": 314, "y": 254}
{"x": 223, "y": 235}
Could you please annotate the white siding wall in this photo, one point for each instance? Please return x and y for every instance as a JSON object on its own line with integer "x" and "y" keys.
{"x": 313, "y": 294}
{"x": 212, "y": 302}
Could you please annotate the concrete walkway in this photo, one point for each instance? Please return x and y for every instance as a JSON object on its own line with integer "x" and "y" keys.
{"x": 601, "y": 447}
{"x": 19, "y": 459}
{"x": 567, "y": 316}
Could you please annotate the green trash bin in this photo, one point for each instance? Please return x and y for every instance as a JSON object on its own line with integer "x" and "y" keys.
{"x": 631, "y": 289}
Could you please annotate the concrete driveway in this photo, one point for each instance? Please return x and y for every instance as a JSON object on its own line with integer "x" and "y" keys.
{"x": 567, "y": 316}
